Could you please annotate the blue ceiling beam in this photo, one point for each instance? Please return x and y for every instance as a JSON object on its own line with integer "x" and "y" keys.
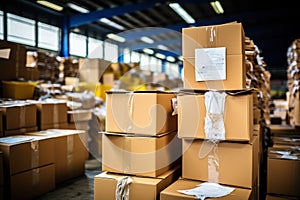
{"x": 86, "y": 18}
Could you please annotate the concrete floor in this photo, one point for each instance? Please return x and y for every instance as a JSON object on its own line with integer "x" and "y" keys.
{"x": 80, "y": 188}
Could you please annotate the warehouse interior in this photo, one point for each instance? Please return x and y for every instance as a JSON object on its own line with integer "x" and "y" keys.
{"x": 136, "y": 99}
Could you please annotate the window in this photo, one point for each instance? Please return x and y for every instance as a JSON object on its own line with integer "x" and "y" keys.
{"x": 172, "y": 69}
{"x": 95, "y": 48}
{"x": 135, "y": 57}
{"x": 110, "y": 52}
{"x": 1, "y": 26}
{"x": 20, "y": 30}
{"x": 144, "y": 64}
{"x": 126, "y": 54}
{"x": 48, "y": 36}
{"x": 155, "y": 64}
{"x": 77, "y": 45}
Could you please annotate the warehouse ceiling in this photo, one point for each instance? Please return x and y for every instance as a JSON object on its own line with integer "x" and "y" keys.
{"x": 272, "y": 25}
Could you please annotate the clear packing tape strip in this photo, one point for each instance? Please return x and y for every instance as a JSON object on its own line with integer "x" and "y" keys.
{"x": 22, "y": 115}
{"x": 130, "y": 109}
{"x": 35, "y": 153}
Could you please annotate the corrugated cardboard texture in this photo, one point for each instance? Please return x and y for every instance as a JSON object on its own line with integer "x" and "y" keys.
{"x": 283, "y": 177}
{"x": 141, "y": 187}
{"x": 33, "y": 183}
{"x": 20, "y": 157}
{"x": 231, "y": 36}
{"x": 171, "y": 193}
{"x": 140, "y": 113}
{"x": 238, "y": 162}
{"x": 143, "y": 156}
{"x": 70, "y": 152}
{"x": 238, "y": 117}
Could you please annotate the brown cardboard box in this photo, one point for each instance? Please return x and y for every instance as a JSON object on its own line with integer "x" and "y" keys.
{"x": 32, "y": 183}
{"x": 141, "y": 112}
{"x": 229, "y": 35}
{"x": 238, "y": 162}
{"x": 79, "y": 116}
{"x": 54, "y": 126}
{"x": 79, "y": 126}
{"x": 51, "y": 113}
{"x": 235, "y": 75}
{"x": 12, "y": 67}
{"x": 70, "y": 152}
{"x": 142, "y": 156}
{"x": 140, "y": 188}
{"x": 283, "y": 172}
{"x": 171, "y": 192}
{"x": 297, "y": 109}
{"x": 17, "y": 116}
{"x": 238, "y": 116}
{"x": 1, "y": 169}
{"x": 20, "y": 131}
{"x": 276, "y": 197}
{"x": 23, "y": 153}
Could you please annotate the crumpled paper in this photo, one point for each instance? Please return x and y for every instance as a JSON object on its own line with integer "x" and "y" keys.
{"x": 208, "y": 190}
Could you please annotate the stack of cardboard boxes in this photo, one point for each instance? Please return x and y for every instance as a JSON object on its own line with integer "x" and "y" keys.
{"x": 259, "y": 78}
{"x": 283, "y": 165}
{"x": 140, "y": 142}
{"x": 293, "y": 73}
{"x": 34, "y": 163}
{"x": 214, "y": 59}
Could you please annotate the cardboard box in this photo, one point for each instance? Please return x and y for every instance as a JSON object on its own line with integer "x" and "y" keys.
{"x": 142, "y": 156}
{"x": 20, "y": 131}
{"x": 1, "y": 170}
{"x": 23, "y": 153}
{"x": 32, "y": 183}
{"x": 18, "y": 89}
{"x": 276, "y": 197}
{"x": 283, "y": 172}
{"x": 238, "y": 116}
{"x": 51, "y": 113}
{"x": 231, "y": 36}
{"x": 70, "y": 152}
{"x": 54, "y": 126}
{"x": 297, "y": 109}
{"x": 79, "y": 116}
{"x": 79, "y": 126}
{"x": 235, "y": 75}
{"x": 17, "y": 116}
{"x": 140, "y": 188}
{"x": 91, "y": 70}
{"x": 171, "y": 192}
{"x": 238, "y": 162}
{"x": 140, "y": 112}
{"x": 12, "y": 60}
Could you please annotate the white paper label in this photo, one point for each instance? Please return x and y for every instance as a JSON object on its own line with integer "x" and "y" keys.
{"x": 210, "y": 64}
{"x": 5, "y": 53}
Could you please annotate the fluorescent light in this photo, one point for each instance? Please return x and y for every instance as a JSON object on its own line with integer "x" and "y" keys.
{"x": 217, "y": 7}
{"x": 148, "y": 51}
{"x": 111, "y": 23}
{"x": 180, "y": 58}
{"x": 159, "y": 55}
{"x": 170, "y": 59}
{"x": 116, "y": 37}
{"x": 162, "y": 47}
{"x": 78, "y": 8}
{"x": 182, "y": 13}
{"x": 50, "y": 5}
{"x": 147, "y": 40}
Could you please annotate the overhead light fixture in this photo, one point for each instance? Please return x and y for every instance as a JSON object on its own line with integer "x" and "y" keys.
{"x": 159, "y": 55}
{"x": 147, "y": 40}
{"x": 78, "y": 8}
{"x": 50, "y": 5}
{"x": 182, "y": 13}
{"x": 180, "y": 58}
{"x": 148, "y": 51}
{"x": 217, "y": 7}
{"x": 111, "y": 23}
{"x": 171, "y": 59}
{"x": 162, "y": 47}
{"x": 116, "y": 37}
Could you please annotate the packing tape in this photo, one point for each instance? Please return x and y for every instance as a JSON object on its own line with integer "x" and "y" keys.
{"x": 211, "y": 33}
{"x": 70, "y": 150}
{"x": 174, "y": 106}
{"x": 130, "y": 110}
{"x": 35, "y": 148}
{"x": 122, "y": 189}
{"x": 35, "y": 179}
{"x": 22, "y": 116}
{"x": 55, "y": 113}
{"x": 127, "y": 155}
